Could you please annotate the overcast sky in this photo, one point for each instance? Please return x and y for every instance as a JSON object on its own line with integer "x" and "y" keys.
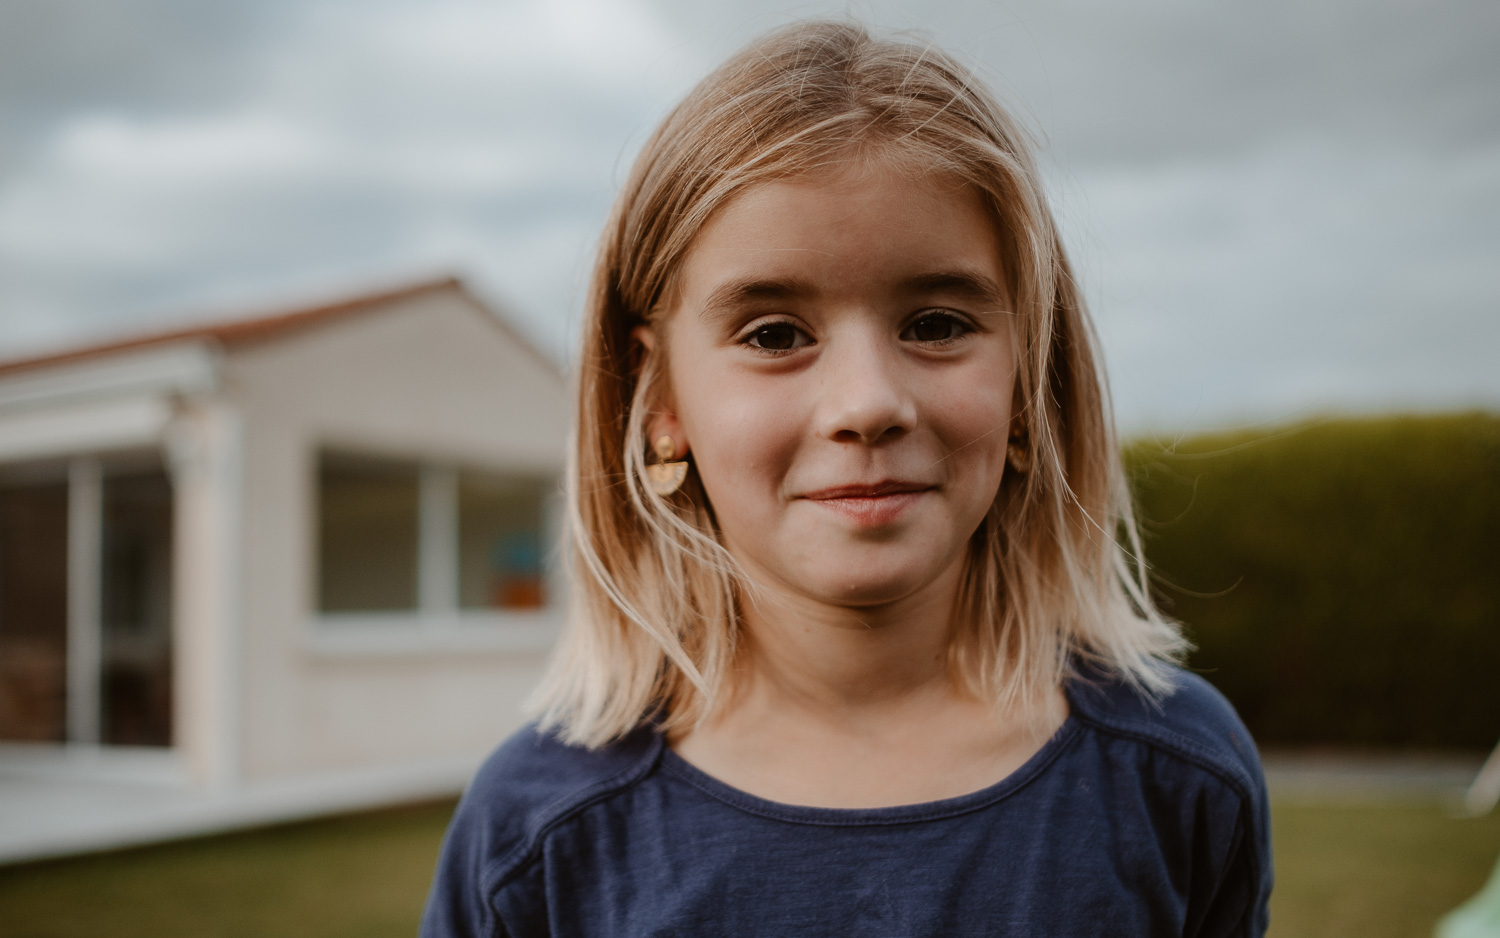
{"x": 1280, "y": 208}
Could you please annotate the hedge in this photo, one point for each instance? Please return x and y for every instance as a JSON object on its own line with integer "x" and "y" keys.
{"x": 1340, "y": 578}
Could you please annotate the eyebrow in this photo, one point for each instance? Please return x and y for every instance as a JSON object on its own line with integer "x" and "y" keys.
{"x": 969, "y": 284}
{"x": 732, "y": 294}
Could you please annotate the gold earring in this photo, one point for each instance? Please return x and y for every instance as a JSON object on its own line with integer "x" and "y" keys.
{"x": 1018, "y": 448}
{"x": 666, "y": 477}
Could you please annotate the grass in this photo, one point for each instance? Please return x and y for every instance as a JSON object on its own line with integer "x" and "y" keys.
{"x": 361, "y": 876}
{"x": 1369, "y": 871}
{"x": 1386, "y": 871}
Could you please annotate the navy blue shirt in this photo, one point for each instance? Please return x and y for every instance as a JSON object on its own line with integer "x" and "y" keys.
{"x": 1137, "y": 818}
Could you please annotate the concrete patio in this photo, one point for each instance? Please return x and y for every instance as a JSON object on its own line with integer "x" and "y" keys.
{"x": 57, "y": 802}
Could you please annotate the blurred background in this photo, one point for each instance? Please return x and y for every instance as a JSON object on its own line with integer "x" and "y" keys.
{"x": 288, "y": 292}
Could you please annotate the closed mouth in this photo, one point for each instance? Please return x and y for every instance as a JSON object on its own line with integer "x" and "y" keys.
{"x": 870, "y": 505}
{"x": 881, "y": 489}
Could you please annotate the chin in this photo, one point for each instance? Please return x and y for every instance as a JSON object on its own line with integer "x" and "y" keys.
{"x": 866, "y": 587}
{"x": 868, "y": 598}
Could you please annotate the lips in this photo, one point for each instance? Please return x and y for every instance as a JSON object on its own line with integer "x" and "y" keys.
{"x": 869, "y": 504}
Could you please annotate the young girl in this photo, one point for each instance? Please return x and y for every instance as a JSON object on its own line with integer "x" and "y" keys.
{"x": 855, "y": 647}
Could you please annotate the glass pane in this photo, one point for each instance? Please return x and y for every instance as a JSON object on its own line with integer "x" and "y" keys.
{"x": 500, "y": 536}
{"x": 367, "y": 534}
{"x": 34, "y": 612}
{"x": 136, "y": 610}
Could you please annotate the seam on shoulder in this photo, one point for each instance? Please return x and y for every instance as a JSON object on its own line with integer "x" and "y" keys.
{"x": 503, "y": 869}
{"x": 1184, "y": 748}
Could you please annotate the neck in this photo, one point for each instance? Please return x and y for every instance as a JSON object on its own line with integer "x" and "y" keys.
{"x": 857, "y": 707}
{"x": 839, "y": 662}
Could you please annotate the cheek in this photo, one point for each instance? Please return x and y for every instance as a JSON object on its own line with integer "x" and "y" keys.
{"x": 973, "y": 422}
{"x": 743, "y": 433}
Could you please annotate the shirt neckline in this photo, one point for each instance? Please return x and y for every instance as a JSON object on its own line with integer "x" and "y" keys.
{"x": 675, "y": 765}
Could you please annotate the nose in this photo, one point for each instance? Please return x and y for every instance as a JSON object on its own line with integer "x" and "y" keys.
{"x": 863, "y": 397}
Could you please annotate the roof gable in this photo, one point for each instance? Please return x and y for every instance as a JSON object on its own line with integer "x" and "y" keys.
{"x": 241, "y": 332}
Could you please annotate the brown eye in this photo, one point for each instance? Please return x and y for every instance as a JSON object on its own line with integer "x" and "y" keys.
{"x": 935, "y": 328}
{"x": 777, "y": 337}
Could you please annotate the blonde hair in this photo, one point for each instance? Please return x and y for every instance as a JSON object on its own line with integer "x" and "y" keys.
{"x": 653, "y": 620}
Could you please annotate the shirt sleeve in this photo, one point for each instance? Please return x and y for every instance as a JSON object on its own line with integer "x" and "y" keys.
{"x": 456, "y": 904}
{"x": 1239, "y": 904}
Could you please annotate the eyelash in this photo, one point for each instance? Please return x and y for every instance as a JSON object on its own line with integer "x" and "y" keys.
{"x": 964, "y": 327}
{"x": 747, "y": 339}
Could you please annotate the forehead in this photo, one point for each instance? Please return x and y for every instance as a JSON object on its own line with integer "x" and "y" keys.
{"x": 858, "y": 229}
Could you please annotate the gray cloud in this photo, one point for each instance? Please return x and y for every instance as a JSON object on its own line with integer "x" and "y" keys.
{"x": 1168, "y": 79}
{"x": 147, "y": 56}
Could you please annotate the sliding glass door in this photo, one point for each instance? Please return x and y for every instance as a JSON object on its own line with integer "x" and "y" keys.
{"x": 86, "y": 601}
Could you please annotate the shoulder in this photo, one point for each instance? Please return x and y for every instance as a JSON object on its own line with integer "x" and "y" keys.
{"x": 536, "y": 772}
{"x": 534, "y": 782}
{"x": 1192, "y": 722}
{"x": 1189, "y": 750}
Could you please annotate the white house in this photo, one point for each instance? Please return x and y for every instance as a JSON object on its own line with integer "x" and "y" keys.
{"x": 273, "y": 566}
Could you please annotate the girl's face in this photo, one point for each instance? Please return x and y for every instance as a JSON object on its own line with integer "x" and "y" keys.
{"x": 842, "y": 365}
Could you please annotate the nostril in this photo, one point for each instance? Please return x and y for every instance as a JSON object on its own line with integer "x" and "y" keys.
{"x": 849, "y": 435}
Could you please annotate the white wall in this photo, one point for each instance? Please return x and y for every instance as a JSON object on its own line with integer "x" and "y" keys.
{"x": 432, "y": 376}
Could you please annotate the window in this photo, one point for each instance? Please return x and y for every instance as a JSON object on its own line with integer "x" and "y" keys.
{"x": 33, "y": 611}
{"x": 136, "y": 609}
{"x": 398, "y": 536}
{"x": 367, "y": 534}
{"x": 86, "y": 600}
{"x": 500, "y": 541}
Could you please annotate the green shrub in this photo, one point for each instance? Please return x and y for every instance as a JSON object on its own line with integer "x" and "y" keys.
{"x": 1340, "y": 578}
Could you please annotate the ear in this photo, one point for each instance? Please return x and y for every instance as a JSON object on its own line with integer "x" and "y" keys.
{"x": 1018, "y": 429}
{"x": 1018, "y": 426}
{"x": 661, "y": 416}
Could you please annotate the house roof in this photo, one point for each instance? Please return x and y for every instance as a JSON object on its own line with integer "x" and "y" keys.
{"x": 240, "y": 332}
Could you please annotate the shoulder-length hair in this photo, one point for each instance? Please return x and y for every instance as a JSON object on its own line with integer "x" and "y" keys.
{"x": 1053, "y": 575}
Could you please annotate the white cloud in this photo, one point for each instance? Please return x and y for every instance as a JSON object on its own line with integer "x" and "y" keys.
{"x": 590, "y": 42}
{"x": 113, "y": 146}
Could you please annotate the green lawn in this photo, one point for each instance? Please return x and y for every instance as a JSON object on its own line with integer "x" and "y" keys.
{"x": 1374, "y": 872}
{"x": 1361, "y": 872}
{"x": 362, "y": 876}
